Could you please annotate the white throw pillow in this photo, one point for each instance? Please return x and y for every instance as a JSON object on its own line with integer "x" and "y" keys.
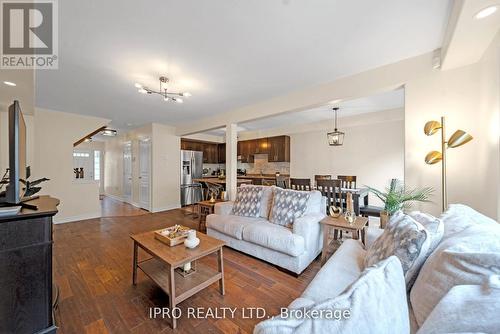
{"x": 405, "y": 238}
{"x": 458, "y": 217}
{"x": 376, "y": 303}
{"x": 467, "y": 257}
{"x": 467, "y": 308}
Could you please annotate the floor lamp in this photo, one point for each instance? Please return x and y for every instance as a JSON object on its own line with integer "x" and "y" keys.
{"x": 457, "y": 139}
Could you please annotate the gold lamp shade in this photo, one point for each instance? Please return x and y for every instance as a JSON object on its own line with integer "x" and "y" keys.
{"x": 431, "y": 127}
{"x": 459, "y": 138}
{"x": 433, "y": 157}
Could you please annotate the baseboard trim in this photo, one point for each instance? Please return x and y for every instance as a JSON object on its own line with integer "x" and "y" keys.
{"x": 166, "y": 208}
{"x": 77, "y": 218}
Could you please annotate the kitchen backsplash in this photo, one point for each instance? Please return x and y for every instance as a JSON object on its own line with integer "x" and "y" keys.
{"x": 262, "y": 165}
{"x": 213, "y": 167}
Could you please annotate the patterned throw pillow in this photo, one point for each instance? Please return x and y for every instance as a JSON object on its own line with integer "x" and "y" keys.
{"x": 288, "y": 205}
{"x": 405, "y": 238}
{"x": 247, "y": 202}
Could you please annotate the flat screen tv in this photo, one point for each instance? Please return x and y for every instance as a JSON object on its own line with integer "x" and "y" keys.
{"x": 17, "y": 155}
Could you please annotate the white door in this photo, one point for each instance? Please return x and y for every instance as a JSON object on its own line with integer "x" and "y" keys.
{"x": 144, "y": 174}
{"x": 127, "y": 172}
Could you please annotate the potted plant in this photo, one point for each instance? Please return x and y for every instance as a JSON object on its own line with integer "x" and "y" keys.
{"x": 398, "y": 197}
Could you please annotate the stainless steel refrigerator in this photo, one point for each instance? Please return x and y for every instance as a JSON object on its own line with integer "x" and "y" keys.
{"x": 191, "y": 168}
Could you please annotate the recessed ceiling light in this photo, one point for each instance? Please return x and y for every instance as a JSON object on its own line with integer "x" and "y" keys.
{"x": 138, "y": 85}
{"x": 8, "y": 83}
{"x": 485, "y": 12}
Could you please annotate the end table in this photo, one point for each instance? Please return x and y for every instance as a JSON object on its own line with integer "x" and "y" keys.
{"x": 206, "y": 208}
{"x": 340, "y": 224}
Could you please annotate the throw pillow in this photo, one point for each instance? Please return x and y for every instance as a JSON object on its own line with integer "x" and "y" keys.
{"x": 376, "y": 303}
{"x": 433, "y": 225}
{"x": 288, "y": 205}
{"x": 266, "y": 200}
{"x": 247, "y": 202}
{"x": 405, "y": 238}
{"x": 467, "y": 257}
{"x": 467, "y": 309}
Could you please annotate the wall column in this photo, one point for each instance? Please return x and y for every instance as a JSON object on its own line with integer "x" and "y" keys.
{"x": 231, "y": 160}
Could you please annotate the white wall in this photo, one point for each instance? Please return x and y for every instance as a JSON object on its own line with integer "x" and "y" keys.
{"x": 55, "y": 133}
{"x": 165, "y": 168}
{"x": 469, "y": 98}
{"x": 372, "y": 152}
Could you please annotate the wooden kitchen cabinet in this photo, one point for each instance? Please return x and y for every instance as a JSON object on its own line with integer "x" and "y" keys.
{"x": 246, "y": 150}
{"x": 279, "y": 149}
{"x": 210, "y": 150}
{"x": 221, "y": 152}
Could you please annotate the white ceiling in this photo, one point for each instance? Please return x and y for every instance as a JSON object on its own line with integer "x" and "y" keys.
{"x": 228, "y": 54}
{"x": 376, "y": 103}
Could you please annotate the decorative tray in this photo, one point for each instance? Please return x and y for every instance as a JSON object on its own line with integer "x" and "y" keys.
{"x": 173, "y": 235}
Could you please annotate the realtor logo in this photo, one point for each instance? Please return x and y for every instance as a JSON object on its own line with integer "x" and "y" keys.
{"x": 29, "y": 34}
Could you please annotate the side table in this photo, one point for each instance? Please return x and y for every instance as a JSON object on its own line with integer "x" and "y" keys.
{"x": 206, "y": 208}
{"x": 340, "y": 224}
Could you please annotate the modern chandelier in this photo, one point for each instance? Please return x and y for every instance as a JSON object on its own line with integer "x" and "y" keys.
{"x": 164, "y": 92}
{"x": 335, "y": 138}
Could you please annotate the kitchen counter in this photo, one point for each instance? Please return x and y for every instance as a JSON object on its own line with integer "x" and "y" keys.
{"x": 214, "y": 179}
{"x": 263, "y": 176}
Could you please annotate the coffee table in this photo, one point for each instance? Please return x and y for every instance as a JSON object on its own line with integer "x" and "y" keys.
{"x": 340, "y": 224}
{"x": 165, "y": 259}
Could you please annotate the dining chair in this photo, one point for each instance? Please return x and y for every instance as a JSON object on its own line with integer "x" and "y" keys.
{"x": 322, "y": 177}
{"x": 268, "y": 182}
{"x": 348, "y": 181}
{"x": 331, "y": 189}
{"x": 300, "y": 184}
{"x": 282, "y": 181}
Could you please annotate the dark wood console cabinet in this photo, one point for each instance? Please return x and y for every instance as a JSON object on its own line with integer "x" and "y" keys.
{"x": 26, "y": 269}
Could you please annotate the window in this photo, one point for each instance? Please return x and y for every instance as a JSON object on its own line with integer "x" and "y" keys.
{"x": 97, "y": 165}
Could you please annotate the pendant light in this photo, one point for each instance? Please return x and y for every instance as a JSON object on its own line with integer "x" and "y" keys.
{"x": 335, "y": 138}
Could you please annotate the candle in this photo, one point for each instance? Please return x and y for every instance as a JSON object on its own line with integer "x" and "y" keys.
{"x": 187, "y": 266}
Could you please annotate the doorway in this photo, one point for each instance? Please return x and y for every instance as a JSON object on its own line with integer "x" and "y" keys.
{"x": 127, "y": 172}
{"x": 145, "y": 174}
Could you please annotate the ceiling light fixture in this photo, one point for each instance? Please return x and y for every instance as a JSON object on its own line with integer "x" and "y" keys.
{"x": 109, "y": 133}
{"x": 163, "y": 91}
{"x": 335, "y": 138}
{"x": 9, "y": 83}
{"x": 485, "y": 12}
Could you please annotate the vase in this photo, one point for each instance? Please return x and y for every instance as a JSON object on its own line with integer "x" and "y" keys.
{"x": 384, "y": 218}
{"x": 192, "y": 241}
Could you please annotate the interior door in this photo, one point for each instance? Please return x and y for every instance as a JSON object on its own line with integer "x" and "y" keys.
{"x": 144, "y": 174}
{"x": 127, "y": 172}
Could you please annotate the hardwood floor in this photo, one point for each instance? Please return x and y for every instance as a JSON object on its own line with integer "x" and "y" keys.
{"x": 93, "y": 270}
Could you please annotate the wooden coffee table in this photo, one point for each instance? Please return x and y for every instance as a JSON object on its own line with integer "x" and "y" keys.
{"x": 165, "y": 259}
{"x": 340, "y": 224}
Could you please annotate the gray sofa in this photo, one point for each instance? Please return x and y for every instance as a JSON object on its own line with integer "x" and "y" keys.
{"x": 290, "y": 248}
{"x": 456, "y": 290}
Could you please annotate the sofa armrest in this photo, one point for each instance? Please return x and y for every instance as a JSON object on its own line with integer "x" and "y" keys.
{"x": 371, "y": 234}
{"x": 309, "y": 228}
{"x": 223, "y": 208}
